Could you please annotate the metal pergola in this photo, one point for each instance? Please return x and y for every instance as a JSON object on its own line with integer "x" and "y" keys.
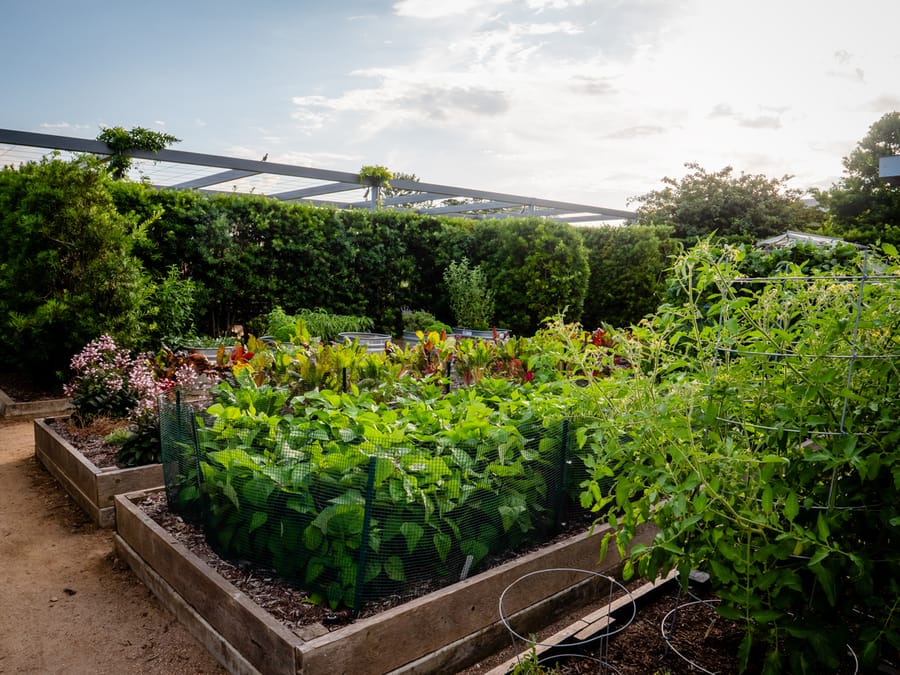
{"x": 179, "y": 170}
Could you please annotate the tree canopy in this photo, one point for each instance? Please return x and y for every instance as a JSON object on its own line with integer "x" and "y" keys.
{"x": 744, "y": 207}
{"x": 862, "y": 207}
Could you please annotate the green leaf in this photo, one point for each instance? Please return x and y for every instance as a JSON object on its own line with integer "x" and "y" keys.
{"x": 765, "y": 615}
{"x": 743, "y": 652}
{"x": 791, "y": 507}
{"x": 767, "y": 499}
{"x": 826, "y": 579}
{"x": 413, "y": 533}
{"x": 314, "y": 568}
{"x": 822, "y": 527}
{"x": 442, "y": 544}
{"x": 258, "y": 519}
{"x": 228, "y": 491}
{"x": 393, "y": 567}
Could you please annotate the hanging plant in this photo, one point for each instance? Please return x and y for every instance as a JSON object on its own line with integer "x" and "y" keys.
{"x": 378, "y": 178}
{"x": 121, "y": 142}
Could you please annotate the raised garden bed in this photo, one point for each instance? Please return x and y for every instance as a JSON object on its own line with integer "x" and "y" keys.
{"x": 92, "y": 487}
{"x": 35, "y": 405}
{"x": 443, "y": 631}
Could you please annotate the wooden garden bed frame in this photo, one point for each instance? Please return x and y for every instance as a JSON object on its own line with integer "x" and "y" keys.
{"x": 441, "y": 632}
{"x": 92, "y": 487}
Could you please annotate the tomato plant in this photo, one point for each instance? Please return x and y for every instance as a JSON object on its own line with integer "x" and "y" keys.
{"x": 760, "y": 435}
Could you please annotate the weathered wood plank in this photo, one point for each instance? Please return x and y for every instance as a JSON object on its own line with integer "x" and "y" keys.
{"x": 90, "y": 486}
{"x": 76, "y": 468}
{"x": 442, "y": 632}
{"x": 264, "y": 642}
{"x": 220, "y": 648}
{"x": 427, "y": 624}
{"x": 122, "y": 481}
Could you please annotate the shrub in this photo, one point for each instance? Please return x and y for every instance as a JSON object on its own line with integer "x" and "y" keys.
{"x": 537, "y": 268}
{"x": 471, "y": 300}
{"x": 67, "y": 273}
{"x": 109, "y": 382}
{"x": 627, "y": 277}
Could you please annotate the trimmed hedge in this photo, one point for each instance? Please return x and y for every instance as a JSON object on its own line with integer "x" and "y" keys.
{"x": 252, "y": 253}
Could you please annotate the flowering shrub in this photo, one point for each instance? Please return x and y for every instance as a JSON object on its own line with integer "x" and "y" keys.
{"x": 109, "y": 382}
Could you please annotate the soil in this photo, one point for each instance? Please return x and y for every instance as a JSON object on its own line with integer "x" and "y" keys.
{"x": 22, "y": 389}
{"x": 90, "y": 439}
{"x": 68, "y": 605}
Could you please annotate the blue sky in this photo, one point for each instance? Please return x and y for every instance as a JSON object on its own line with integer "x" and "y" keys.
{"x": 592, "y": 101}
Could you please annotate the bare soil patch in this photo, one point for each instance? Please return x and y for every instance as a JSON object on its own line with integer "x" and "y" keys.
{"x": 68, "y": 605}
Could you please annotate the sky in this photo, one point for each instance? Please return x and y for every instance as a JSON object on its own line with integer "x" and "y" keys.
{"x": 589, "y": 101}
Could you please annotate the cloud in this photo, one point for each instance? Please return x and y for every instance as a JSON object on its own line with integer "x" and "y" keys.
{"x": 638, "y": 132}
{"x": 761, "y": 122}
{"x": 884, "y": 103}
{"x": 591, "y": 86}
{"x": 722, "y": 110}
{"x": 725, "y": 111}
{"x": 564, "y": 27}
{"x": 554, "y": 4}
{"x": 437, "y": 102}
{"x": 63, "y": 126}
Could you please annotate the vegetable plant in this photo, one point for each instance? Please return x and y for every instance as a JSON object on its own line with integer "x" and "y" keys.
{"x": 759, "y": 434}
{"x": 358, "y": 473}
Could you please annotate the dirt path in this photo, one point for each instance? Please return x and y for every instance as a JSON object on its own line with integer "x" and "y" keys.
{"x": 66, "y": 604}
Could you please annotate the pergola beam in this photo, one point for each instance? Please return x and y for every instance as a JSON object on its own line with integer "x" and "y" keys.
{"x": 464, "y": 208}
{"x": 214, "y": 179}
{"x": 234, "y": 168}
{"x": 327, "y": 189}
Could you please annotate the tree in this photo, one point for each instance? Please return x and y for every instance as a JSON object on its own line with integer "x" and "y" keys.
{"x": 744, "y": 208}
{"x": 862, "y": 207}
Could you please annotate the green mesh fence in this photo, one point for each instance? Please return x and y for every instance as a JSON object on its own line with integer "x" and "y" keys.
{"x": 179, "y": 452}
{"x": 353, "y": 521}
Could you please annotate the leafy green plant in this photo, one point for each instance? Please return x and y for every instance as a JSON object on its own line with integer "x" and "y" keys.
{"x": 175, "y": 299}
{"x": 471, "y": 300}
{"x": 421, "y": 320}
{"x": 313, "y": 322}
{"x": 140, "y": 447}
{"x": 359, "y": 472}
{"x": 378, "y": 178}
